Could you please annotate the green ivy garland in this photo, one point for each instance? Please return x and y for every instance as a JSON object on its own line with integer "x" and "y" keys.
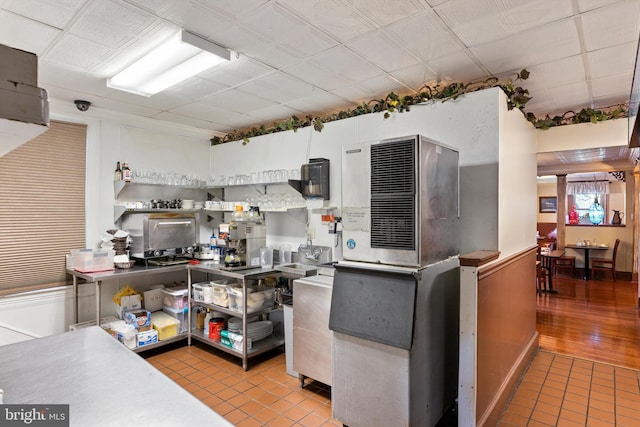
{"x": 517, "y": 97}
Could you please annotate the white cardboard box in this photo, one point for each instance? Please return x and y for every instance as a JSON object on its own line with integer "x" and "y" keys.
{"x": 152, "y": 299}
{"x": 130, "y": 302}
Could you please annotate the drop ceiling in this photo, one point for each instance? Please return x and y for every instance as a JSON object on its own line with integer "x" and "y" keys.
{"x": 320, "y": 56}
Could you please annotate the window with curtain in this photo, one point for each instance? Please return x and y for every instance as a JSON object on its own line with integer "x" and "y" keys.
{"x": 583, "y": 195}
{"x": 42, "y": 207}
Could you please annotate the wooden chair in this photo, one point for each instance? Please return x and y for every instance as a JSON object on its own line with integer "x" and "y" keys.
{"x": 565, "y": 262}
{"x": 606, "y": 264}
{"x": 542, "y": 272}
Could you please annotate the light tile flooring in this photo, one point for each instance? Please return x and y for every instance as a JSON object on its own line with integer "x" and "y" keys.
{"x": 563, "y": 391}
{"x": 262, "y": 396}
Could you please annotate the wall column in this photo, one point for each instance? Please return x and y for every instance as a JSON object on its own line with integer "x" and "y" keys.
{"x": 636, "y": 229}
{"x": 561, "y": 213}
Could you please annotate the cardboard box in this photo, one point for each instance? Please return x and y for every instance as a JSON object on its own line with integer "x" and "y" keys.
{"x": 146, "y": 337}
{"x": 140, "y": 319}
{"x": 128, "y": 303}
{"x": 153, "y": 298}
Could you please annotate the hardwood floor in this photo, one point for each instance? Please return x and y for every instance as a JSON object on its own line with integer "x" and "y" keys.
{"x": 597, "y": 320}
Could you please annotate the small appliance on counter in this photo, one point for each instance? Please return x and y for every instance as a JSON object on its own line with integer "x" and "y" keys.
{"x": 244, "y": 241}
{"x": 161, "y": 235}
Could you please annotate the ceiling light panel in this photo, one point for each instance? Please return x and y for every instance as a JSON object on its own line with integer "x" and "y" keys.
{"x": 181, "y": 56}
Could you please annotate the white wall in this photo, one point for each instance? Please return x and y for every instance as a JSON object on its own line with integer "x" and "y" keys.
{"x": 497, "y": 160}
{"x": 478, "y": 125}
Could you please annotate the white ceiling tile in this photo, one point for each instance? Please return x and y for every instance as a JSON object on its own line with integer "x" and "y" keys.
{"x": 557, "y": 73}
{"x": 54, "y": 13}
{"x": 51, "y": 74}
{"x": 26, "y": 34}
{"x": 353, "y": 94}
{"x": 279, "y": 88}
{"x": 319, "y": 103}
{"x": 277, "y": 56}
{"x": 194, "y": 88}
{"x": 292, "y": 33}
{"x": 585, "y": 5}
{"x": 110, "y": 23}
{"x": 378, "y": 48}
{"x": 73, "y": 51}
{"x": 335, "y": 17}
{"x": 617, "y": 86}
{"x": 317, "y": 75}
{"x": 482, "y": 21}
{"x": 237, "y": 100}
{"x": 610, "y": 61}
{"x": 415, "y": 76}
{"x": 560, "y": 100}
{"x": 457, "y": 67}
{"x": 380, "y": 86}
{"x": 536, "y": 46}
{"x": 344, "y": 62}
{"x": 190, "y": 121}
{"x": 424, "y": 36}
{"x": 196, "y": 17}
{"x": 232, "y": 8}
{"x": 237, "y": 72}
{"x": 598, "y": 32}
{"x": 385, "y": 12}
{"x": 276, "y": 114}
{"x": 206, "y": 112}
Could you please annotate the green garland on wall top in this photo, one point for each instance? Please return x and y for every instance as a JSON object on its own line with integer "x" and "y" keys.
{"x": 517, "y": 97}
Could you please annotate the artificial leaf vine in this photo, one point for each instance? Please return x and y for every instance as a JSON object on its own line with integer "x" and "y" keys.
{"x": 517, "y": 97}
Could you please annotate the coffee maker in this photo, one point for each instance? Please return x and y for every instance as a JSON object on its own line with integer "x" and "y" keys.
{"x": 247, "y": 237}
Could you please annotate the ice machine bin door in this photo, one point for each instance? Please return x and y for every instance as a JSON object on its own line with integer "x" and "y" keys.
{"x": 376, "y": 305}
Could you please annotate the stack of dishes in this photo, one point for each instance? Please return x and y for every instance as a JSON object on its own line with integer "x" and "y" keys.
{"x": 257, "y": 330}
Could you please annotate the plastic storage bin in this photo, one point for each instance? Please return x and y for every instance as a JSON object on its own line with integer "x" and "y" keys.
{"x": 258, "y": 298}
{"x": 198, "y": 290}
{"x": 176, "y": 297}
{"x": 166, "y": 325}
{"x": 219, "y": 292}
{"x": 181, "y": 315}
{"x": 88, "y": 260}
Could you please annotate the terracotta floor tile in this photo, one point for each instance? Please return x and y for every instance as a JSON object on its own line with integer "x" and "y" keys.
{"x": 235, "y": 416}
{"x": 311, "y": 420}
{"x": 629, "y": 412}
{"x": 536, "y": 423}
{"x": 576, "y": 417}
{"x": 601, "y": 415}
{"x": 280, "y": 421}
{"x": 594, "y": 422}
{"x": 252, "y": 407}
{"x": 547, "y": 409}
{"x": 580, "y": 408}
{"x": 296, "y": 413}
{"x": 519, "y": 410}
{"x": 238, "y": 400}
{"x": 223, "y": 408}
{"x": 226, "y": 394}
{"x": 512, "y": 419}
{"x": 622, "y": 421}
{"x": 249, "y": 422}
{"x": 265, "y": 415}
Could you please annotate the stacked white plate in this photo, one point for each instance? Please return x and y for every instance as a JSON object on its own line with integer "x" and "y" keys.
{"x": 255, "y": 330}
{"x": 234, "y": 324}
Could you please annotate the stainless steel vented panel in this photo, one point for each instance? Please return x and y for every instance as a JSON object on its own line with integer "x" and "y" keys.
{"x": 400, "y": 201}
{"x": 393, "y": 192}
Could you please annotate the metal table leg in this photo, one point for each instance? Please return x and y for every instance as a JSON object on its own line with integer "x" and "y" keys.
{"x": 97, "y": 284}
{"x": 75, "y": 299}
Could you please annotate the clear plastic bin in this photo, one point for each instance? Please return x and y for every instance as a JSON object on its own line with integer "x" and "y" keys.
{"x": 88, "y": 260}
{"x": 181, "y": 315}
{"x": 176, "y": 297}
{"x": 258, "y": 298}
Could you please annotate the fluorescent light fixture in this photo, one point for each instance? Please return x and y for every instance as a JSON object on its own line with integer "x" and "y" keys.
{"x": 182, "y": 56}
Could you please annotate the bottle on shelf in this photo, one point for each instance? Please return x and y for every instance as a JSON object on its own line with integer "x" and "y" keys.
{"x": 126, "y": 172}
{"x": 117, "y": 175}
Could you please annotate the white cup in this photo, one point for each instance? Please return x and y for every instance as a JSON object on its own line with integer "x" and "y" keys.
{"x": 285, "y": 254}
{"x": 266, "y": 257}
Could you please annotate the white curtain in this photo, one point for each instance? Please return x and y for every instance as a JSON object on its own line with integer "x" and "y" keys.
{"x": 591, "y": 187}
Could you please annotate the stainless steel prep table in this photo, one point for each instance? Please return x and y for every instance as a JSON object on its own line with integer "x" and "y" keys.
{"x": 98, "y": 277}
{"x": 103, "y": 382}
{"x": 244, "y": 275}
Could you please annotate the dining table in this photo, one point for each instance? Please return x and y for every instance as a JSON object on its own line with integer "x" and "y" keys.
{"x": 547, "y": 259}
{"x": 587, "y": 251}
